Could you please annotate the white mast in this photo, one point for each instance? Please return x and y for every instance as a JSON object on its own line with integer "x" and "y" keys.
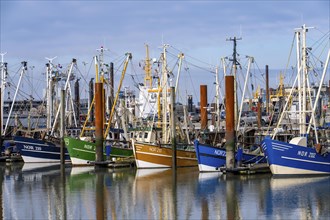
{"x": 2, "y": 85}
{"x": 251, "y": 60}
{"x": 65, "y": 88}
{"x": 164, "y": 88}
{"x": 217, "y": 98}
{"x": 24, "y": 68}
{"x": 180, "y": 56}
{"x": 302, "y": 77}
{"x": 49, "y": 92}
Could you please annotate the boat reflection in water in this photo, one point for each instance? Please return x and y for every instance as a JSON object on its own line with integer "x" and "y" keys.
{"x": 34, "y": 192}
{"x": 56, "y": 192}
{"x": 303, "y": 198}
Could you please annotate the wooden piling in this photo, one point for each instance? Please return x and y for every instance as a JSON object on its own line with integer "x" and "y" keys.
{"x": 203, "y": 97}
{"x": 99, "y": 110}
{"x": 230, "y": 122}
{"x": 259, "y": 113}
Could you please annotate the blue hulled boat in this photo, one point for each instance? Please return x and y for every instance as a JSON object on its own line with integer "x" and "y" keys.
{"x": 211, "y": 159}
{"x": 39, "y": 151}
{"x": 306, "y": 153}
{"x": 288, "y": 158}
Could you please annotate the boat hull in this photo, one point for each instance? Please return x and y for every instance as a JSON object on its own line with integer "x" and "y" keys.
{"x": 39, "y": 151}
{"x": 290, "y": 159}
{"x": 83, "y": 152}
{"x": 211, "y": 159}
{"x": 155, "y": 156}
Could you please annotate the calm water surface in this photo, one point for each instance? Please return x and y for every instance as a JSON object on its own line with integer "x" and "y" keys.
{"x": 52, "y": 192}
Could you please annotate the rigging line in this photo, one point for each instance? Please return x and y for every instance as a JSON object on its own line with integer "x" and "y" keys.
{"x": 118, "y": 58}
{"x": 318, "y": 58}
{"x": 189, "y": 74}
{"x": 86, "y": 72}
{"x": 325, "y": 37}
{"x": 292, "y": 46}
{"x": 198, "y": 67}
{"x": 194, "y": 57}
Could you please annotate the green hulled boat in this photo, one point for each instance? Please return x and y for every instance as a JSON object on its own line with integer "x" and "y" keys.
{"x": 83, "y": 152}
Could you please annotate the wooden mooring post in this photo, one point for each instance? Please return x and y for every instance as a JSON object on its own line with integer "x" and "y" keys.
{"x": 203, "y": 97}
{"x": 230, "y": 122}
{"x": 99, "y": 115}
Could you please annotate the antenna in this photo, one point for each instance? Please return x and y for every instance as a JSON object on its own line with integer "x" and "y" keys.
{"x": 235, "y": 62}
{"x": 2, "y": 55}
{"x": 50, "y": 60}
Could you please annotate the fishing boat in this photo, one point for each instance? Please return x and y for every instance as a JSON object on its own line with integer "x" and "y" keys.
{"x": 39, "y": 151}
{"x": 211, "y": 155}
{"x": 160, "y": 156}
{"x": 152, "y": 146}
{"x": 307, "y": 153}
{"x": 82, "y": 150}
{"x": 211, "y": 158}
{"x": 43, "y": 145}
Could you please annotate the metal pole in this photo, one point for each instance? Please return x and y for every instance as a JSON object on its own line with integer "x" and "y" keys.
{"x": 173, "y": 127}
{"x": 230, "y": 122}
{"x": 111, "y": 86}
{"x": 99, "y": 121}
{"x": 62, "y": 125}
{"x": 267, "y": 90}
{"x": 1, "y": 107}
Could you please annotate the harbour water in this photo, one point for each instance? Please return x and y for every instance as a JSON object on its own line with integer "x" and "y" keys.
{"x": 55, "y": 192}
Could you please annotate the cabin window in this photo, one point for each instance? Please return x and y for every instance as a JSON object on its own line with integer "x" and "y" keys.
{"x": 146, "y": 135}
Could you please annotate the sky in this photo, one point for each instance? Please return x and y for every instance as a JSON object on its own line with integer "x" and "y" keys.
{"x": 33, "y": 30}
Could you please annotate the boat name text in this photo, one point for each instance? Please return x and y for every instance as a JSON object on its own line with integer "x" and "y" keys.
{"x": 89, "y": 147}
{"x": 30, "y": 147}
{"x": 306, "y": 154}
{"x": 220, "y": 152}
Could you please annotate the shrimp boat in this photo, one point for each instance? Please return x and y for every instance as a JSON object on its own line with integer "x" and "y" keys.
{"x": 82, "y": 149}
{"x": 306, "y": 153}
{"x": 212, "y": 156}
{"x": 152, "y": 145}
{"x": 43, "y": 145}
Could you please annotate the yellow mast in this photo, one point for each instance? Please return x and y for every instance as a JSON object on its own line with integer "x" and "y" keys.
{"x": 147, "y": 69}
{"x": 280, "y": 92}
{"x": 128, "y": 57}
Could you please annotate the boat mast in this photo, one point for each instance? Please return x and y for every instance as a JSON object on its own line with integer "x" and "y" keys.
{"x": 180, "y": 56}
{"x": 302, "y": 56}
{"x": 66, "y": 86}
{"x": 304, "y": 79}
{"x": 164, "y": 88}
{"x": 24, "y": 68}
{"x": 3, "y": 67}
{"x": 128, "y": 58}
{"x": 147, "y": 69}
{"x": 217, "y": 98}
{"x": 234, "y": 73}
{"x": 251, "y": 60}
{"x": 49, "y": 92}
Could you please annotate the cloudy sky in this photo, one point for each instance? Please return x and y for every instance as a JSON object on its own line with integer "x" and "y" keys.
{"x": 32, "y": 30}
